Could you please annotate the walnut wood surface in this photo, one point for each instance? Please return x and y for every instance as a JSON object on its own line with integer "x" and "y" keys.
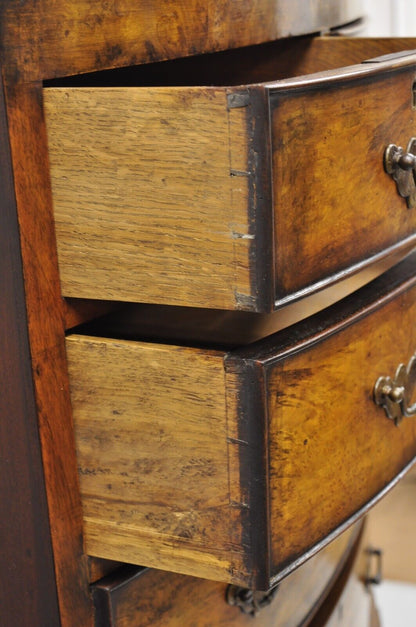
{"x": 197, "y": 229}
{"x": 213, "y": 327}
{"x": 331, "y": 387}
{"x": 82, "y": 35}
{"x": 150, "y": 597}
{"x": 266, "y": 62}
{"x": 212, "y": 468}
{"x": 334, "y": 203}
{"x": 28, "y": 591}
{"x": 47, "y": 350}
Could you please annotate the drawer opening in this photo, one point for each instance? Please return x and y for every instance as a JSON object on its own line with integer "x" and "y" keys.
{"x": 261, "y": 63}
{"x": 281, "y": 59}
{"x": 209, "y": 327}
{"x": 228, "y": 330}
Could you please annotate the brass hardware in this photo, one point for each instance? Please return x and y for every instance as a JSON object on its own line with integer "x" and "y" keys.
{"x": 249, "y": 601}
{"x": 374, "y": 555}
{"x": 395, "y": 394}
{"x": 401, "y": 166}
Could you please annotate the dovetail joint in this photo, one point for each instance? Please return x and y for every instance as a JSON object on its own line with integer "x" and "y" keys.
{"x": 237, "y": 100}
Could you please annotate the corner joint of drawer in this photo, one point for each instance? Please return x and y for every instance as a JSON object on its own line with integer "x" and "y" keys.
{"x": 238, "y": 99}
{"x": 237, "y": 441}
{"x": 239, "y": 505}
{"x": 239, "y": 173}
{"x": 247, "y": 302}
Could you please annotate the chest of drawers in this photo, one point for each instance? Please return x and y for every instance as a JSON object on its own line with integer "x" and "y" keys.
{"x": 272, "y": 437}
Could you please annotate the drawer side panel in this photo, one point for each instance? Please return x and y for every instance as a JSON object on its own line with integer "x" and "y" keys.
{"x": 146, "y": 205}
{"x": 151, "y": 439}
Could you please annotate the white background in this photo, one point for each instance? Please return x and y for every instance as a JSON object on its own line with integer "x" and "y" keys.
{"x": 396, "y": 18}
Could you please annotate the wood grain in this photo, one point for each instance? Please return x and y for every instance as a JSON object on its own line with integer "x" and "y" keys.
{"x": 323, "y": 417}
{"x": 228, "y": 458}
{"x": 133, "y": 225}
{"x": 316, "y": 54}
{"x": 28, "y": 592}
{"x": 153, "y": 457}
{"x": 163, "y": 599}
{"x": 82, "y": 36}
{"x": 214, "y": 327}
{"x": 268, "y": 62}
{"x": 220, "y": 223}
{"x": 40, "y": 40}
{"x": 45, "y": 325}
{"x": 334, "y": 203}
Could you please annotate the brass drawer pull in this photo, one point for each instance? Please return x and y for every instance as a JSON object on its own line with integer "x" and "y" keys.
{"x": 401, "y": 166}
{"x": 249, "y": 601}
{"x": 395, "y": 394}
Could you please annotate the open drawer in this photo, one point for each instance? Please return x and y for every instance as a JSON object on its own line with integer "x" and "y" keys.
{"x": 243, "y": 195}
{"x": 238, "y": 466}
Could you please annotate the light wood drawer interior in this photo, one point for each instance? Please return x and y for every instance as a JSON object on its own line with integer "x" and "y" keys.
{"x": 243, "y": 195}
{"x": 237, "y": 465}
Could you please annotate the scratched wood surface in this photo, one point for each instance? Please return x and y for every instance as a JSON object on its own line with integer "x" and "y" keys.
{"x": 184, "y": 469}
{"x": 152, "y": 456}
{"x": 146, "y": 207}
{"x": 166, "y": 600}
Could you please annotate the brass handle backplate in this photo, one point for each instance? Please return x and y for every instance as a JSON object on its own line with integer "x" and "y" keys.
{"x": 401, "y": 166}
{"x": 394, "y": 395}
{"x": 249, "y": 601}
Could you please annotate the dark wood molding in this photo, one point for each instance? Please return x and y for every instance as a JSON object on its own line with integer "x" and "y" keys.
{"x": 28, "y": 591}
{"x": 45, "y": 326}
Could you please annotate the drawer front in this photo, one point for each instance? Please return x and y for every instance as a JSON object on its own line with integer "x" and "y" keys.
{"x": 227, "y": 197}
{"x": 334, "y": 204}
{"x": 238, "y": 466}
{"x": 141, "y": 597}
{"x": 331, "y": 448}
